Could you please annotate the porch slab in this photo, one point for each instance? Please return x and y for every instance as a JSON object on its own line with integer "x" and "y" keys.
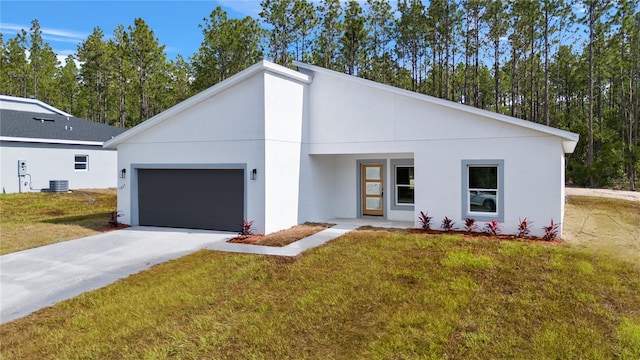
{"x": 372, "y": 221}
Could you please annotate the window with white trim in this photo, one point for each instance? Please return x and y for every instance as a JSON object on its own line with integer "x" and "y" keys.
{"x": 81, "y": 163}
{"x": 483, "y": 189}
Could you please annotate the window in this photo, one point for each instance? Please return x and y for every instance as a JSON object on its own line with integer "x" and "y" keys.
{"x": 81, "y": 162}
{"x": 482, "y": 182}
{"x": 403, "y": 185}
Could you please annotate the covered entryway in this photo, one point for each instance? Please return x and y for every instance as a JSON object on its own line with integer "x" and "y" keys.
{"x": 211, "y": 199}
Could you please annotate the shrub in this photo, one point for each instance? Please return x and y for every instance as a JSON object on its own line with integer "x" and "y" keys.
{"x": 425, "y": 220}
{"x": 114, "y": 218}
{"x": 551, "y": 231}
{"x": 493, "y": 227}
{"x": 470, "y": 225}
{"x": 447, "y": 224}
{"x": 524, "y": 227}
{"x": 247, "y": 228}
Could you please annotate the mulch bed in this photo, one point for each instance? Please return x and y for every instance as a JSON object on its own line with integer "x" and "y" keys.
{"x": 283, "y": 237}
{"x": 475, "y": 234}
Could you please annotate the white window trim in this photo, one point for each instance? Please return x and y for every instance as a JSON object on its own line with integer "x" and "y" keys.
{"x": 466, "y": 201}
{"x": 86, "y": 162}
{"x": 396, "y": 163}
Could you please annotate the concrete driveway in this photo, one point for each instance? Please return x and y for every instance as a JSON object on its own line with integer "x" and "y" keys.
{"x": 36, "y": 278}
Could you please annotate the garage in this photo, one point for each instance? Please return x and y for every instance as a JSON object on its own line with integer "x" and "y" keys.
{"x": 210, "y": 199}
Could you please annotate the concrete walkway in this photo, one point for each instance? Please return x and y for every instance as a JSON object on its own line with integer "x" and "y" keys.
{"x": 36, "y": 278}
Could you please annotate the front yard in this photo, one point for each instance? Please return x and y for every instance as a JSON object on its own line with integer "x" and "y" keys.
{"x": 369, "y": 294}
{"x": 36, "y": 219}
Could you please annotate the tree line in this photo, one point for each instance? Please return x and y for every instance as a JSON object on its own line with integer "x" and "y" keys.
{"x": 570, "y": 64}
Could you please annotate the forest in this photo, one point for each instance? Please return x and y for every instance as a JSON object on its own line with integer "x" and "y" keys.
{"x": 570, "y": 64}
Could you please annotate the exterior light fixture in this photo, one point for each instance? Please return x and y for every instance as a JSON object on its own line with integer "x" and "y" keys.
{"x": 123, "y": 173}
{"x": 254, "y": 174}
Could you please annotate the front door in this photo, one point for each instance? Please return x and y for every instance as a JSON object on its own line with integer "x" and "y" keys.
{"x": 372, "y": 189}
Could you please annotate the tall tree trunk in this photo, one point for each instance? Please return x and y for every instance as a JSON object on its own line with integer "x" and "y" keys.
{"x": 591, "y": 60}
{"x": 546, "y": 66}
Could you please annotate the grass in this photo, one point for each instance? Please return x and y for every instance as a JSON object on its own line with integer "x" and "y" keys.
{"x": 36, "y": 219}
{"x": 605, "y": 226}
{"x": 369, "y": 294}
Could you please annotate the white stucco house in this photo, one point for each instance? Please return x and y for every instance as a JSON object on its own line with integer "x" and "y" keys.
{"x": 42, "y": 146}
{"x": 282, "y": 147}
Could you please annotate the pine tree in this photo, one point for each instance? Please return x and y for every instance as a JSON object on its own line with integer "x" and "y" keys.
{"x": 352, "y": 43}
{"x": 228, "y": 47}
{"x": 331, "y": 29}
{"x": 277, "y": 14}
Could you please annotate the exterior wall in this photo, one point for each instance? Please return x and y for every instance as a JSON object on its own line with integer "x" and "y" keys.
{"x": 533, "y": 181}
{"x": 375, "y": 121}
{"x": 56, "y": 162}
{"x": 225, "y": 130}
{"x": 333, "y": 187}
{"x": 284, "y": 113}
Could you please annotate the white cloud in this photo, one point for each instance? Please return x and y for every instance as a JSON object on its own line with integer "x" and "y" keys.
{"x": 246, "y": 7}
{"x": 59, "y": 35}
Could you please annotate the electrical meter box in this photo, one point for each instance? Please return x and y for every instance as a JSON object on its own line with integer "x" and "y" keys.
{"x": 22, "y": 167}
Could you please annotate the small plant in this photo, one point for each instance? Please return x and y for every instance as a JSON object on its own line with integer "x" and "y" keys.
{"x": 524, "y": 227}
{"x": 114, "y": 218}
{"x": 425, "y": 220}
{"x": 247, "y": 229}
{"x": 447, "y": 224}
{"x": 470, "y": 225}
{"x": 493, "y": 227}
{"x": 551, "y": 231}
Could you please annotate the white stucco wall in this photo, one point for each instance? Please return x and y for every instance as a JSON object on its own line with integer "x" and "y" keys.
{"x": 349, "y": 117}
{"x": 56, "y": 162}
{"x": 284, "y": 114}
{"x": 332, "y": 183}
{"x": 225, "y": 129}
{"x": 256, "y": 123}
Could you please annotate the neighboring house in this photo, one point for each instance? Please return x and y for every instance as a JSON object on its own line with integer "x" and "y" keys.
{"x": 282, "y": 147}
{"x": 39, "y": 143}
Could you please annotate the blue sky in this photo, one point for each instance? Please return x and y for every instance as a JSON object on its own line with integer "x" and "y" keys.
{"x": 67, "y": 23}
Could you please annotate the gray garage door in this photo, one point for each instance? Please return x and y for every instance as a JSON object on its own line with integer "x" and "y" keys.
{"x": 191, "y": 198}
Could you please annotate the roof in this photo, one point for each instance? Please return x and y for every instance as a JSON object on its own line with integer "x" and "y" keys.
{"x": 26, "y": 126}
{"x": 262, "y": 66}
{"x": 23, "y": 104}
{"x": 569, "y": 139}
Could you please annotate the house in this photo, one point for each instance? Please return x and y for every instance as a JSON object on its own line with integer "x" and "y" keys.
{"x": 282, "y": 147}
{"x": 41, "y": 145}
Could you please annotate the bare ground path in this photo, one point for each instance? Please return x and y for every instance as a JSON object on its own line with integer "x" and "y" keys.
{"x": 614, "y": 194}
{"x": 605, "y": 225}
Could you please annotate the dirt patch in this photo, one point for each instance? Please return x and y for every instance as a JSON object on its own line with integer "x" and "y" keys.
{"x": 283, "y": 237}
{"x": 603, "y": 225}
{"x": 607, "y": 193}
{"x": 108, "y": 228}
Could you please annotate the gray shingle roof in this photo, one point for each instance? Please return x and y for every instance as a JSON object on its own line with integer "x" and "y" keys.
{"x": 26, "y": 124}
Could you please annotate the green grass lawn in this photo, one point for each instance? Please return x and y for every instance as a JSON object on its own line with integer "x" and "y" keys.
{"x": 367, "y": 295}
{"x": 35, "y": 219}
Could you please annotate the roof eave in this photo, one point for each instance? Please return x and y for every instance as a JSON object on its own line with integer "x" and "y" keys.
{"x": 50, "y": 141}
{"x": 206, "y": 94}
